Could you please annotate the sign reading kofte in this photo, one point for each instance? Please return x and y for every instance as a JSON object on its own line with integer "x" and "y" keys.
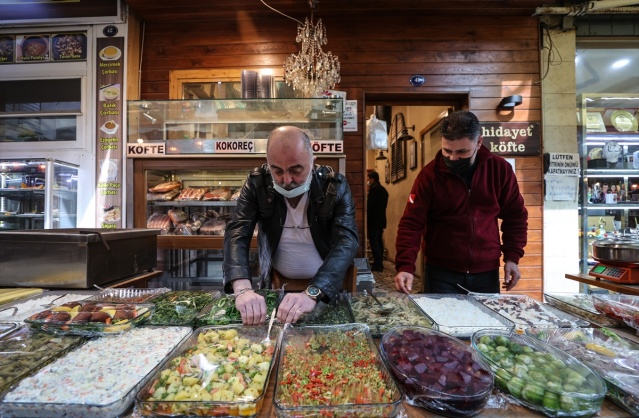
{"x": 512, "y": 138}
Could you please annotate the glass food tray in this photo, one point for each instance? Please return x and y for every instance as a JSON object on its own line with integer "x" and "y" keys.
{"x": 99, "y": 379}
{"x": 180, "y": 307}
{"x": 34, "y": 304}
{"x": 552, "y": 381}
{"x": 90, "y": 319}
{"x": 402, "y": 310}
{"x": 318, "y": 354}
{"x": 203, "y": 378}
{"x": 436, "y": 371}
{"x": 335, "y": 313}
{"x": 128, "y": 295}
{"x": 222, "y": 310}
{"x": 457, "y": 314}
{"x": 526, "y": 312}
{"x": 614, "y": 358}
{"x": 23, "y": 351}
{"x": 581, "y": 305}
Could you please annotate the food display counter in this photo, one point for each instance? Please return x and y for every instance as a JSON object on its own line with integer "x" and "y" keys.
{"x": 140, "y": 391}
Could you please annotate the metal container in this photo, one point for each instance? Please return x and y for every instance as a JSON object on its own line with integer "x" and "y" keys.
{"x": 623, "y": 249}
{"x": 75, "y": 258}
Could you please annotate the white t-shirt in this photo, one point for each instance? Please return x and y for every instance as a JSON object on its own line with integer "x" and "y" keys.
{"x": 296, "y": 256}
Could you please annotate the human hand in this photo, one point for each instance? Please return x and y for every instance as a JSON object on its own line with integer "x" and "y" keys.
{"x": 293, "y": 306}
{"x": 252, "y": 307}
{"x": 511, "y": 275}
{"x": 404, "y": 282}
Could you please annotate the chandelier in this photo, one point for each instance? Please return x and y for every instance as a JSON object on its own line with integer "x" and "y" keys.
{"x": 311, "y": 71}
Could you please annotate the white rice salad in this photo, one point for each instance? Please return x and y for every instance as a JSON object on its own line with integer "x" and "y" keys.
{"x": 456, "y": 312}
{"x": 102, "y": 371}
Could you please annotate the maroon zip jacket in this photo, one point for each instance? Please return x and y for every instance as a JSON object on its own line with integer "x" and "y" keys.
{"x": 460, "y": 226}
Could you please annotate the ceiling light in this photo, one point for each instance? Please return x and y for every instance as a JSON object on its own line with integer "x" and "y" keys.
{"x": 381, "y": 156}
{"x": 620, "y": 63}
{"x": 311, "y": 70}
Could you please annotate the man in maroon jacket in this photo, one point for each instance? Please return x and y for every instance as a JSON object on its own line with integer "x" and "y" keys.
{"x": 454, "y": 205}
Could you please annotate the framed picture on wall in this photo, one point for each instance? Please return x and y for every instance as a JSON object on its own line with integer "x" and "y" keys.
{"x": 387, "y": 172}
{"x": 412, "y": 155}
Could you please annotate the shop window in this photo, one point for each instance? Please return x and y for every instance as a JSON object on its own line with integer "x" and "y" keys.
{"x": 40, "y": 110}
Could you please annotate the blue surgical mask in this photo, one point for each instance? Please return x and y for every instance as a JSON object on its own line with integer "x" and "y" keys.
{"x": 298, "y": 191}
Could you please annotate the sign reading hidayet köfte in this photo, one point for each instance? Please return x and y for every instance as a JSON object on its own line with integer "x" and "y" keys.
{"x": 512, "y": 138}
{"x": 217, "y": 146}
{"x": 109, "y": 118}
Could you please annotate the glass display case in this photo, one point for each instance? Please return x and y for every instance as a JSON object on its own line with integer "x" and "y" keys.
{"x": 200, "y": 153}
{"x": 38, "y": 194}
{"x": 609, "y": 148}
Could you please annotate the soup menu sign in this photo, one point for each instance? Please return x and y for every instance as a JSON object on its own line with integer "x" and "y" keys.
{"x": 109, "y": 107}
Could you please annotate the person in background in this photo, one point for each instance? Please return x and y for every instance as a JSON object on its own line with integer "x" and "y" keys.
{"x": 376, "y": 203}
{"x": 306, "y": 229}
{"x": 453, "y": 211}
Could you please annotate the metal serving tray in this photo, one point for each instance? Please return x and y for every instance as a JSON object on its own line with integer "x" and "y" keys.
{"x": 526, "y": 312}
{"x": 128, "y": 361}
{"x": 75, "y": 258}
{"x": 581, "y": 305}
{"x": 402, "y": 310}
{"x": 459, "y": 326}
{"x": 34, "y": 304}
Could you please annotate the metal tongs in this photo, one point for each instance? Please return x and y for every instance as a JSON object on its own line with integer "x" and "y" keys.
{"x": 382, "y": 309}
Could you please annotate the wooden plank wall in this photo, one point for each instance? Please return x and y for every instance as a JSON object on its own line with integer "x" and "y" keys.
{"x": 488, "y": 57}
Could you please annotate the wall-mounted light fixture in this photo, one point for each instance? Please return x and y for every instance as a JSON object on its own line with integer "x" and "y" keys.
{"x": 148, "y": 115}
{"x": 381, "y": 156}
{"x": 399, "y": 125}
{"x": 510, "y": 102}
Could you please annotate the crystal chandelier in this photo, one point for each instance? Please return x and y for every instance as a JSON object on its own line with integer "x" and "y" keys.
{"x": 311, "y": 71}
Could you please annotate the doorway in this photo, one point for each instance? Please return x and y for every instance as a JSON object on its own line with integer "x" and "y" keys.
{"x": 424, "y": 111}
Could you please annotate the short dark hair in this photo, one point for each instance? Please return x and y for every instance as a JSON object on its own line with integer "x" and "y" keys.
{"x": 460, "y": 124}
{"x": 373, "y": 175}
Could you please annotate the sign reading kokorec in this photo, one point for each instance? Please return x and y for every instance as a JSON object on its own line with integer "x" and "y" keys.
{"x": 512, "y": 138}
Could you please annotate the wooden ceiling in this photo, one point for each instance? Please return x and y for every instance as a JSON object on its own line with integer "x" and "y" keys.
{"x": 158, "y": 11}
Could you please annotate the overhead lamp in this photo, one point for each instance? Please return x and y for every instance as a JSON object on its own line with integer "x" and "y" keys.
{"x": 311, "y": 71}
{"x": 381, "y": 156}
{"x": 400, "y": 128}
{"x": 509, "y": 102}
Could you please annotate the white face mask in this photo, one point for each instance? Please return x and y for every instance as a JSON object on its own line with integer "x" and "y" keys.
{"x": 298, "y": 191}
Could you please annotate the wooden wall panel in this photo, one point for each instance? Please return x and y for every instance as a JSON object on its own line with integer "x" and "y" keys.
{"x": 487, "y": 56}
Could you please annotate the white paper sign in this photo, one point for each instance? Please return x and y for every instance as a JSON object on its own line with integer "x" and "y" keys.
{"x": 561, "y": 187}
{"x": 350, "y": 116}
{"x": 565, "y": 164}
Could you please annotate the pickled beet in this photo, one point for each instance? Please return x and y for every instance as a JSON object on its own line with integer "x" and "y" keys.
{"x": 437, "y": 371}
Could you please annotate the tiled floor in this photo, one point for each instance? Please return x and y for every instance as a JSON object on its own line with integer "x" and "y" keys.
{"x": 385, "y": 280}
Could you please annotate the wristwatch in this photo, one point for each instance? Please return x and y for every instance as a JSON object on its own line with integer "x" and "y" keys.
{"x": 314, "y": 293}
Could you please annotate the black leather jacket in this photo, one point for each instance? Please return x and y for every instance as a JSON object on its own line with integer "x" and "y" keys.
{"x": 331, "y": 217}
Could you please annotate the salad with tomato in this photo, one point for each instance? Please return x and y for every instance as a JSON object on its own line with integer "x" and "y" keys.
{"x": 330, "y": 366}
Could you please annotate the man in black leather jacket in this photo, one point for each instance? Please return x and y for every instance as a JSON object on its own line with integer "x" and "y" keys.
{"x": 326, "y": 229}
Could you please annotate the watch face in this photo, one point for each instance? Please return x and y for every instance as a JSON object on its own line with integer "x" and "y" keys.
{"x": 313, "y": 291}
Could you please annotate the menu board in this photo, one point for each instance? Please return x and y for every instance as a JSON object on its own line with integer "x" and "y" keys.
{"x": 109, "y": 82}
{"x": 43, "y": 47}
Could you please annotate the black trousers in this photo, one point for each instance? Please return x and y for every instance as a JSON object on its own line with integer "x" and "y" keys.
{"x": 375, "y": 238}
{"x": 442, "y": 280}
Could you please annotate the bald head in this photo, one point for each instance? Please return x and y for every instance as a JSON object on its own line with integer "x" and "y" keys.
{"x": 289, "y": 156}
